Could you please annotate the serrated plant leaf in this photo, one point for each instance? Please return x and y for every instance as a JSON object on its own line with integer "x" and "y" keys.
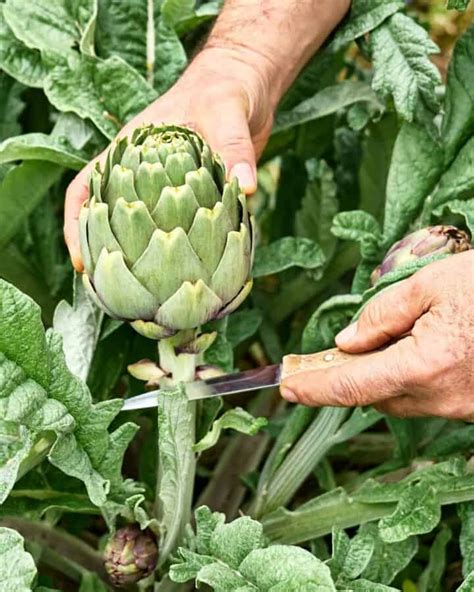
{"x": 364, "y": 16}
{"x": 45, "y": 406}
{"x": 234, "y": 557}
{"x": 402, "y": 69}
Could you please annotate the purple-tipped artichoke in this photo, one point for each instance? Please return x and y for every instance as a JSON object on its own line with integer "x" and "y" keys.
{"x": 130, "y": 555}
{"x": 433, "y": 240}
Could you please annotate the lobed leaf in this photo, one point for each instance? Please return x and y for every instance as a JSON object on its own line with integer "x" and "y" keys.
{"x": 17, "y": 568}
{"x": 399, "y": 49}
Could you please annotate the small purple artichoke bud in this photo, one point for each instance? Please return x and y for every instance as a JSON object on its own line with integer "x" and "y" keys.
{"x": 130, "y": 555}
{"x": 433, "y": 240}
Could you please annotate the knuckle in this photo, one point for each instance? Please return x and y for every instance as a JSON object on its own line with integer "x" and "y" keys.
{"x": 346, "y": 391}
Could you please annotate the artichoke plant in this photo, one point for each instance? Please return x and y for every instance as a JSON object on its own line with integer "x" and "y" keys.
{"x": 130, "y": 555}
{"x": 433, "y": 240}
{"x": 167, "y": 242}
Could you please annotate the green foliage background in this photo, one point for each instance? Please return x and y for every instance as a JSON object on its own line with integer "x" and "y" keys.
{"x": 375, "y": 138}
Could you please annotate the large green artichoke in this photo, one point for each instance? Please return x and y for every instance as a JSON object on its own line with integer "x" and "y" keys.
{"x": 167, "y": 243}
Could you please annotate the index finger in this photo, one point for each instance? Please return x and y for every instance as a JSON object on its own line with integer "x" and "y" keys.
{"x": 373, "y": 378}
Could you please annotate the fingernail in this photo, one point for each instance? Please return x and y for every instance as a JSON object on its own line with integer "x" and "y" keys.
{"x": 288, "y": 394}
{"x": 347, "y": 334}
{"x": 245, "y": 175}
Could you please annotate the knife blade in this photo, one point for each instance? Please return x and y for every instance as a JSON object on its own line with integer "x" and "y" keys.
{"x": 249, "y": 380}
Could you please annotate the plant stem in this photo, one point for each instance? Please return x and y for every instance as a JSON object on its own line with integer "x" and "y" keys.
{"x": 176, "y": 436}
{"x": 60, "y": 542}
{"x": 336, "y": 509}
{"x": 302, "y": 459}
{"x": 298, "y": 421}
{"x": 225, "y": 490}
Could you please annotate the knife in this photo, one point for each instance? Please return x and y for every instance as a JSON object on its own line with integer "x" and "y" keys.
{"x": 250, "y": 380}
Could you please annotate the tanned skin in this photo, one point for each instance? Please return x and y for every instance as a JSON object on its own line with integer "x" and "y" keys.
{"x": 229, "y": 94}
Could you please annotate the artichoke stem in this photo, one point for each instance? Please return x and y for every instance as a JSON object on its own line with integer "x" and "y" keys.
{"x": 181, "y": 367}
{"x": 176, "y": 435}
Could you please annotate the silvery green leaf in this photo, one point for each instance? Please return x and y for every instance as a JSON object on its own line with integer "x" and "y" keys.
{"x": 18, "y": 60}
{"x": 176, "y": 430}
{"x": 111, "y": 91}
{"x": 79, "y": 326}
{"x": 364, "y": 16}
{"x": 468, "y": 584}
{"x": 49, "y": 411}
{"x": 236, "y": 419}
{"x": 388, "y": 559}
{"x": 17, "y": 568}
{"x": 53, "y": 25}
{"x": 280, "y": 564}
{"x": 418, "y": 511}
{"x": 402, "y": 69}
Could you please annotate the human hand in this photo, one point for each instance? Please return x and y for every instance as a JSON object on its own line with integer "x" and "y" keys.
{"x": 428, "y": 373}
{"x": 223, "y": 98}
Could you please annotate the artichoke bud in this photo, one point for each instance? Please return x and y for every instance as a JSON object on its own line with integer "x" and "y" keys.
{"x": 167, "y": 242}
{"x": 433, "y": 240}
{"x": 130, "y": 555}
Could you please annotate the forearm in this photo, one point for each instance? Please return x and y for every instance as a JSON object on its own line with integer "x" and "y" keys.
{"x": 275, "y": 37}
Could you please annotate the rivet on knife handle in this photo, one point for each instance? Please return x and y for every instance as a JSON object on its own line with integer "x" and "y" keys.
{"x": 294, "y": 363}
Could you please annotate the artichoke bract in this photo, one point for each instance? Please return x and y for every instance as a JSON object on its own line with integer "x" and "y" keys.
{"x": 433, "y": 240}
{"x": 130, "y": 555}
{"x": 167, "y": 242}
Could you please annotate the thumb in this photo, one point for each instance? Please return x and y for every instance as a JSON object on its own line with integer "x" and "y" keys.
{"x": 76, "y": 195}
{"x": 386, "y": 317}
{"x": 227, "y": 131}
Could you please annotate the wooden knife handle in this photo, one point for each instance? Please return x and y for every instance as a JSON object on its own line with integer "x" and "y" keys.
{"x": 294, "y": 363}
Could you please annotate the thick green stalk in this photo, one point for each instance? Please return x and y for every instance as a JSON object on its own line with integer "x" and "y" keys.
{"x": 60, "y": 542}
{"x": 296, "y": 423}
{"x": 176, "y": 436}
{"x": 335, "y": 510}
{"x": 301, "y": 460}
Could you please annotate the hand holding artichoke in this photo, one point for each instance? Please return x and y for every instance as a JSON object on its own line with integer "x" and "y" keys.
{"x": 167, "y": 243}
